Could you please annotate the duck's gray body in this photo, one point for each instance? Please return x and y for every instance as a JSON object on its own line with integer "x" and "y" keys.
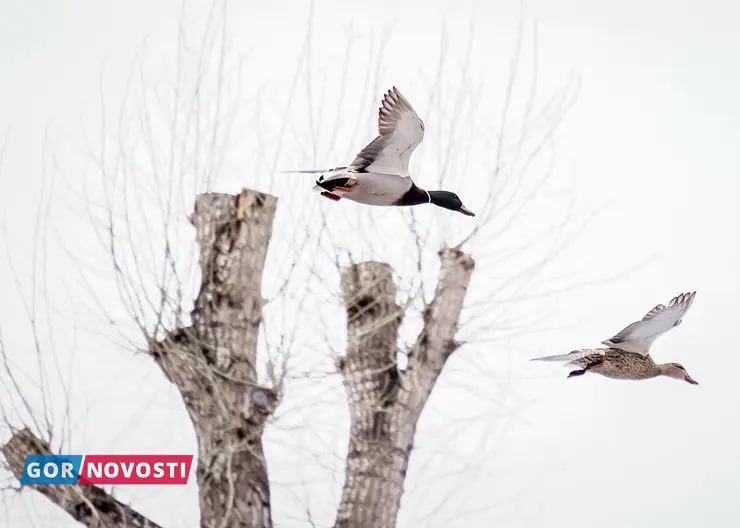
{"x": 371, "y": 188}
{"x": 379, "y": 174}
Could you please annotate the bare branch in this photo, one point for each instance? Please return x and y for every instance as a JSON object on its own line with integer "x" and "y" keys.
{"x": 436, "y": 342}
{"x": 90, "y": 505}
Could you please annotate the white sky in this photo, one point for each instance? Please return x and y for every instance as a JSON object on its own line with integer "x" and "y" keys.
{"x": 653, "y": 134}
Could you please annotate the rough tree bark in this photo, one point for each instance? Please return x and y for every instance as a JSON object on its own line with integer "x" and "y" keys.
{"x": 386, "y": 402}
{"x": 213, "y": 364}
{"x": 213, "y": 361}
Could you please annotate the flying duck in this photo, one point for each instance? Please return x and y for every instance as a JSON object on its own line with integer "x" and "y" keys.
{"x": 627, "y": 355}
{"x": 379, "y": 174}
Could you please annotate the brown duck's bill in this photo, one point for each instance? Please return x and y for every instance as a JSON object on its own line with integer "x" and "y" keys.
{"x": 464, "y": 210}
{"x": 691, "y": 380}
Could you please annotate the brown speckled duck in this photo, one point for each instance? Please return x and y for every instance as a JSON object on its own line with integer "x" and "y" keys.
{"x": 627, "y": 355}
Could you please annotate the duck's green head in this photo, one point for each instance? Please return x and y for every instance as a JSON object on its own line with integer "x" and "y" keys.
{"x": 449, "y": 200}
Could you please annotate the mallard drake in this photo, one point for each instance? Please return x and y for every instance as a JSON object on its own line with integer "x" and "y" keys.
{"x": 379, "y": 174}
{"x": 627, "y": 355}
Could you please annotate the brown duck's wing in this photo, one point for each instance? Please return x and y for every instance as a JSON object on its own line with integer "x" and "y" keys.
{"x": 637, "y": 337}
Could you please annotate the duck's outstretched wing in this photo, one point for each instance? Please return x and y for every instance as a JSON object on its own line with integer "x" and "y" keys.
{"x": 401, "y": 130}
{"x": 639, "y": 336}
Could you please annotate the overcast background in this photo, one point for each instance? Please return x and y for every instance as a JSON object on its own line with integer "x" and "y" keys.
{"x": 647, "y": 160}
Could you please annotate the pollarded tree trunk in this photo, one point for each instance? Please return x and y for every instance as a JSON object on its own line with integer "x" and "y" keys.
{"x": 385, "y": 402}
{"x": 213, "y": 364}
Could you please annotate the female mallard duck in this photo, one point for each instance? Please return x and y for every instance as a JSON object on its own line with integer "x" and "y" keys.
{"x": 379, "y": 174}
{"x": 628, "y": 354}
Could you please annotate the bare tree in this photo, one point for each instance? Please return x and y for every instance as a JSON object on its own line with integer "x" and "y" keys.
{"x": 213, "y": 363}
{"x": 210, "y": 347}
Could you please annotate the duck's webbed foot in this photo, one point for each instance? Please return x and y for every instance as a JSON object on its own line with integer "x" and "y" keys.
{"x": 331, "y": 196}
{"x": 580, "y": 372}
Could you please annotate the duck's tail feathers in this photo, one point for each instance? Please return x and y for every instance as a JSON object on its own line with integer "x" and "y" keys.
{"x": 575, "y": 354}
{"x": 311, "y": 171}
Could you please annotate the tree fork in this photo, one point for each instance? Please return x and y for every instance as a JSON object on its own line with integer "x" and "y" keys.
{"x": 213, "y": 362}
{"x": 385, "y": 403}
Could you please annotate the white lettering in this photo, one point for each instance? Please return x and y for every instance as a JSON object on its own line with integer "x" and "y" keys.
{"x": 51, "y": 470}
{"x": 33, "y": 470}
{"x": 94, "y": 470}
{"x": 173, "y": 467}
{"x": 110, "y": 469}
{"x": 67, "y": 469}
{"x": 127, "y": 468}
{"x": 158, "y": 470}
{"x": 143, "y": 470}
